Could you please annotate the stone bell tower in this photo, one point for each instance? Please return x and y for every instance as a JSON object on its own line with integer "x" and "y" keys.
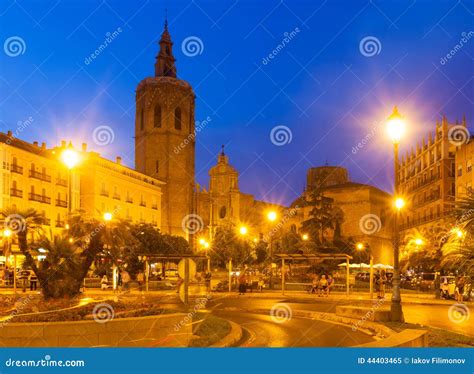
{"x": 164, "y": 137}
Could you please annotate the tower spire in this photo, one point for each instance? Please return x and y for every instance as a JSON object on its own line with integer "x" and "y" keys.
{"x": 165, "y": 61}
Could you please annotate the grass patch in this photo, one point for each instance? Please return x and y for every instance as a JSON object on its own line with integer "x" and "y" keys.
{"x": 436, "y": 337}
{"x": 211, "y": 330}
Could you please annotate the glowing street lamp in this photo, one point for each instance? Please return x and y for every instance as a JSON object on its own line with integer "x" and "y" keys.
{"x": 70, "y": 158}
{"x": 305, "y": 237}
{"x": 202, "y": 241}
{"x": 7, "y": 233}
{"x": 243, "y": 230}
{"x": 396, "y": 128}
{"x": 458, "y": 232}
{"x": 399, "y": 203}
{"x": 360, "y": 246}
{"x": 108, "y": 216}
{"x": 272, "y": 216}
{"x": 419, "y": 242}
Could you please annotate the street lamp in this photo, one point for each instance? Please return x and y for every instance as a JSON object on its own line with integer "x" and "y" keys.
{"x": 305, "y": 237}
{"x": 396, "y": 129}
{"x": 271, "y": 216}
{"x": 70, "y": 158}
{"x": 360, "y": 246}
{"x": 205, "y": 245}
{"x": 243, "y": 230}
{"x": 108, "y": 216}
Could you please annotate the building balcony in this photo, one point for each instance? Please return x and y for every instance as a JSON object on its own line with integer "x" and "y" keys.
{"x": 61, "y": 203}
{"x": 45, "y": 221}
{"x": 39, "y": 198}
{"x": 104, "y": 193}
{"x": 61, "y": 182}
{"x": 143, "y": 203}
{"x": 60, "y": 224}
{"x": 116, "y": 196}
{"x": 15, "y": 192}
{"x": 41, "y": 176}
{"x": 129, "y": 200}
{"x": 16, "y": 169}
{"x": 154, "y": 207}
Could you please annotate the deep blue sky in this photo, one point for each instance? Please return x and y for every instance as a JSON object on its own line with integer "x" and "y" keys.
{"x": 319, "y": 85}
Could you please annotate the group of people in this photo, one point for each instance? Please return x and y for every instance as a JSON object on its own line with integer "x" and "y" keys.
{"x": 322, "y": 284}
{"x": 25, "y": 279}
{"x": 123, "y": 281}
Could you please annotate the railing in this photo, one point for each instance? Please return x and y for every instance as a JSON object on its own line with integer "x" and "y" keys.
{"x": 16, "y": 169}
{"x": 41, "y": 176}
{"x": 154, "y": 207}
{"x": 142, "y": 203}
{"x": 59, "y": 223}
{"x": 16, "y": 192}
{"x": 116, "y": 196}
{"x": 39, "y": 198}
{"x": 61, "y": 203}
{"x": 104, "y": 193}
{"x": 45, "y": 221}
{"x": 129, "y": 200}
{"x": 61, "y": 182}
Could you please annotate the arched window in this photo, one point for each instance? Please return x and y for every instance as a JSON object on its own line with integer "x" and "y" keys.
{"x": 177, "y": 118}
{"x": 157, "y": 116}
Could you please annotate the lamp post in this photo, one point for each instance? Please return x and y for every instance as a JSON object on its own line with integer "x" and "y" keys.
{"x": 205, "y": 245}
{"x": 70, "y": 158}
{"x": 271, "y": 216}
{"x": 396, "y": 129}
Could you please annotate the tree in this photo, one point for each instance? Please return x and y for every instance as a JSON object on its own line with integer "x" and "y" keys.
{"x": 227, "y": 244}
{"x": 322, "y": 217}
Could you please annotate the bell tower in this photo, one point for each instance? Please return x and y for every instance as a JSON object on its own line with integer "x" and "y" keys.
{"x": 164, "y": 136}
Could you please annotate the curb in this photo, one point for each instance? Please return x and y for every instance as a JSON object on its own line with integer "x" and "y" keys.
{"x": 231, "y": 338}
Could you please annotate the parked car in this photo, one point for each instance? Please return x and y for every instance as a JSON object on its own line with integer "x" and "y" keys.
{"x": 424, "y": 281}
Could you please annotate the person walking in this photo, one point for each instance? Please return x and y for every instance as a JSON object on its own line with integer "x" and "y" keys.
{"x": 207, "y": 280}
{"x": 140, "y": 280}
{"x": 323, "y": 286}
{"x": 242, "y": 283}
{"x": 460, "y": 284}
{"x": 33, "y": 281}
{"x": 330, "y": 283}
{"x": 24, "y": 275}
{"x": 382, "y": 280}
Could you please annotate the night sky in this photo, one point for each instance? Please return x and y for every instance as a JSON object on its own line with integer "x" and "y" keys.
{"x": 324, "y": 83}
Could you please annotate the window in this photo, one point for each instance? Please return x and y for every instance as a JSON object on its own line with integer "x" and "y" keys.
{"x": 469, "y": 166}
{"x": 459, "y": 171}
{"x": 157, "y": 166}
{"x": 177, "y": 119}
{"x": 157, "y": 116}
{"x": 222, "y": 212}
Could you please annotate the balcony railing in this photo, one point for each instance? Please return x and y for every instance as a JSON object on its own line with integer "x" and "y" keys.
{"x": 16, "y": 192}
{"x": 61, "y": 182}
{"x": 39, "y": 198}
{"x": 59, "y": 223}
{"x": 129, "y": 200}
{"x": 14, "y": 168}
{"x": 104, "y": 193}
{"x": 41, "y": 176}
{"x": 116, "y": 196}
{"x": 154, "y": 206}
{"x": 142, "y": 203}
{"x": 61, "y": 203}
{"x": 45, "y": 221}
